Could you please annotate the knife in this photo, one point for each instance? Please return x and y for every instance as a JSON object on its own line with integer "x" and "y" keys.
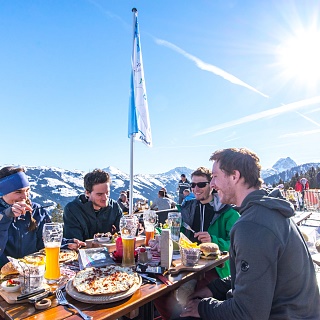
{"x": 153, "y": 280}
{"x": 31, "y": 294}
{"x": 164, "y": 279}
{"x": 40, "y": 296}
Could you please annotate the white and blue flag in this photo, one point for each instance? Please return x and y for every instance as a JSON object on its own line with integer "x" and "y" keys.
{"x": 139, "y": 122}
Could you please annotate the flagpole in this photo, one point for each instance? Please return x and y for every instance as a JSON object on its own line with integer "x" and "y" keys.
{"x": 138, "y": 121}
{"x": 134, "y": 10}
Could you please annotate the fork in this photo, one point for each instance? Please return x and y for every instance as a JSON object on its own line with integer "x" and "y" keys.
{"x": 188, "y": 227}
{"x": 63, "y": 301}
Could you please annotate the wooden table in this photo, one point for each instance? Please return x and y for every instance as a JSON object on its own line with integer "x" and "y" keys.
{"x": 141, "y": 299}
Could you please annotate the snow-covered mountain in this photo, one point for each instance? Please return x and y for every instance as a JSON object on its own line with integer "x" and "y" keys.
{"x": 281, "y": 165}
{"x": 50, "y": 185}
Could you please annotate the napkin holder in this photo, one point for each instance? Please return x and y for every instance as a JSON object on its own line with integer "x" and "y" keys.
{"x": 166, "y": 249}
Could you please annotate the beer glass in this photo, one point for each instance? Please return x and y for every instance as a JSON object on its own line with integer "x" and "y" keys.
{"x": 52, "y": 237}
{"x": 150, "y": 220}
{"x": 174, "y": 222}
{"x": 128, "y": 229}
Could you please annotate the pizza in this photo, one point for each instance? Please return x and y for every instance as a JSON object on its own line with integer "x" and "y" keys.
{"x": 108, "y": 280}
{"x": 35, "y": 259}
{"x": 67, "y": 255}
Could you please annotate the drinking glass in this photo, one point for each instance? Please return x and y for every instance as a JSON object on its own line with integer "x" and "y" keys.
{"x": 150, "y": 220}
{"x": 174, "y": 222}
{"x": 128, "y": 229}
{"x": 52, "y": 237}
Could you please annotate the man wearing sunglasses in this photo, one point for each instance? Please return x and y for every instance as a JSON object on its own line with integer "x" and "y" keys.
{"x": 212, "y": 221}
{"x": 207, "y": 216}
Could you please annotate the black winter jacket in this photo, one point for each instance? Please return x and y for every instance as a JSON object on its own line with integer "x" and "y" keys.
{"x": 82, "y": 222}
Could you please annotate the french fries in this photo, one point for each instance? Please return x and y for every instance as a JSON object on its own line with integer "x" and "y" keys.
{"x": 185, "y": 243}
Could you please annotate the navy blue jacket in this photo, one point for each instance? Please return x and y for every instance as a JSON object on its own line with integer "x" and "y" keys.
{"x": 15, "y": 239}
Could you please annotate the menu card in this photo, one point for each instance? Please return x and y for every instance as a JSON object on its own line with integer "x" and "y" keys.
{"x": 94, "y": 257}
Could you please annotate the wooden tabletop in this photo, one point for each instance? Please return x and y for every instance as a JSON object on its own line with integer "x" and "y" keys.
{"x": 140, "y": 299}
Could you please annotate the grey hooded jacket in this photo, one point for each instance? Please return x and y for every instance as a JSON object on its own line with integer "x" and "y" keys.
{"x": 272, "y": 274}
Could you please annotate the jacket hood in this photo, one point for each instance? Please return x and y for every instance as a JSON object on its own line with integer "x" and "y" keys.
{"x": 216, "y": 203}
{"x": 261, "y": 198}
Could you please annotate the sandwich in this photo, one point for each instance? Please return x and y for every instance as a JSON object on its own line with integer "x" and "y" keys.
{"x": 209, "y": 250}
{"x": 8, "y": 269}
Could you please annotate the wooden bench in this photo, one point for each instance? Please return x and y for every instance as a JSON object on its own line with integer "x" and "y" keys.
{"x": 301, "y": 217}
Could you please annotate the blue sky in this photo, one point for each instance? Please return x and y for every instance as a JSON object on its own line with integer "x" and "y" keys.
{"x": 218, "y": 74}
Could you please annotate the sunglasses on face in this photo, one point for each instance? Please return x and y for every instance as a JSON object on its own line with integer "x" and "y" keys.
{"x": 199, "y": 184}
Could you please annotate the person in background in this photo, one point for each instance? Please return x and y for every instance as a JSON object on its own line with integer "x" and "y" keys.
{"x": 272, "y": 273}
{"x": 123, "y": 202}
{"x": 188, "y": 195}
{"x": 92, "y": 212}
{"x": 21, "y": 222}
{"x": 166, "y": 195}
{"x": 162, "y": 202}
{"x": 182, "y": 185}
{"x": 301, "y": 186}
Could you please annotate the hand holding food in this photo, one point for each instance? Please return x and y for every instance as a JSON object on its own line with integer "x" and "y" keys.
{"x": 20, "y": 208}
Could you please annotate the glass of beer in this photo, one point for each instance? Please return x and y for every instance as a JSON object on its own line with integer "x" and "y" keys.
{"x": 52, "y": 237}
{"x": 128, "y": 229}
{"x": 150, "y": 220}
{"x": 174, "y": 222}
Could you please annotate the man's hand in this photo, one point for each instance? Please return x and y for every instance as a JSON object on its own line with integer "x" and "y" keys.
{"x": 203, "y": 236}
{"x": 191, "y": 309}
{"x": 76, "y": 244}
{"x": 204, "y": 292}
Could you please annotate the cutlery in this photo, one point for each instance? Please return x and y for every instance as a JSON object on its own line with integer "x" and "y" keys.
{"x": 31, "y": 294}
{"x": 188, "y": 227}
{"x": 40, "y": 296}
{"x": 163, "y": 279}
{"x": 63, "y": 301}
{"x": 153, "y": 280}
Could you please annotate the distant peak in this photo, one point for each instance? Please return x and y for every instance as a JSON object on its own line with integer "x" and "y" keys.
{"x": 284, "y": 164}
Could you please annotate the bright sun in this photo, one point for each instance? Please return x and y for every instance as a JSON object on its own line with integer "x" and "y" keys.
{"x": 299, "y": 56}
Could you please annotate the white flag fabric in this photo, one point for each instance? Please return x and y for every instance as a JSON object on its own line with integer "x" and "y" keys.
{"x": 138, "y": 122}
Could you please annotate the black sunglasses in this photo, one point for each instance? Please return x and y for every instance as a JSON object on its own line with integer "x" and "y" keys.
{"x": 199, "y": 184}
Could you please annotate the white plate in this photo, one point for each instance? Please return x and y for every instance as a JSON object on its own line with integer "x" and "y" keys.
{"x": 104, "y": 239}
{"x": 10, "y": 289}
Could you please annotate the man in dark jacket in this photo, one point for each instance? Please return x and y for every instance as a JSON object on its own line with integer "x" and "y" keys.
{"x": 272, "y": 274}
{"x": 92, "y": 212}
{"x": 182, "y": 185}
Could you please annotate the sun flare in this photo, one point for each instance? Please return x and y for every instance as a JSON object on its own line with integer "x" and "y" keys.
{"x": 299, "y": 56}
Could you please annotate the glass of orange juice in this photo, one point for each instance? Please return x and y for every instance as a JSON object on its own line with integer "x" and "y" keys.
{"x": 128, "y": 229}
{"x": 52, "y": 237}
{"x": 150, "y": 220}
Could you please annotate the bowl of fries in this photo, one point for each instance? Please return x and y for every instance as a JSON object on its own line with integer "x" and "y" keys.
{"x": 189, "y": 251}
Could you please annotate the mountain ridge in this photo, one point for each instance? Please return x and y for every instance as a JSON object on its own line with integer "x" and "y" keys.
{"x": 52, "y": 185}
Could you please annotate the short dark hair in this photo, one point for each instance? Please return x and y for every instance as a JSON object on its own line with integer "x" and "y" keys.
{"x": 94, "y": 177}
{"x": 161, "y": 193}
{"x": 9, "y": 170}
{"x": 183, "y": 175}
{"x": 242, "y": 160}
{"x": 202, "y": 172}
